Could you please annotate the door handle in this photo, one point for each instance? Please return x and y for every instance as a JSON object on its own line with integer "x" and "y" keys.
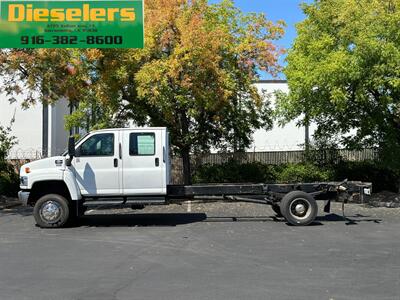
{"x": 157, "y": 161}
{"x": 163, "y": 154}
{"x": 115, "y": 162}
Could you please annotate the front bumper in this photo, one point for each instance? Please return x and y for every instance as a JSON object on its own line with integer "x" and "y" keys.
{"x": 23, "y": 196}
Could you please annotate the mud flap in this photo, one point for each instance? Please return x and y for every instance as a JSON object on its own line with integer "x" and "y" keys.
{"x": 327, "y": 207}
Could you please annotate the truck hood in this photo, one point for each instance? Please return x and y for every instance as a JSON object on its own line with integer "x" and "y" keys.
{"x": 55, "y": 162}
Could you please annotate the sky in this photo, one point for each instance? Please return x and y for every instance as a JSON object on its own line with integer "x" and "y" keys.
{"x": 287, "y": 10}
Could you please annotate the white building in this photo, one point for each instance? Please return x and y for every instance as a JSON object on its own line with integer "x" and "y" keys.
{"x": 40, "y": 129}
{"x": 287, "y": 138}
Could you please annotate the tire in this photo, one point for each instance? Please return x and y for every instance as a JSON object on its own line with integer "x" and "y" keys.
{"x": 299, "y": 208}
{"x": 277, "y": 210}
{"x": 51, "y": 211}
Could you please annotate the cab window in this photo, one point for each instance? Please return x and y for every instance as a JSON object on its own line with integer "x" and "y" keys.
{"x": 97, "y": 145}
{"x": 142, "y": 144}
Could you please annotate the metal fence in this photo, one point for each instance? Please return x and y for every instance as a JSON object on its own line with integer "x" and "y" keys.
{"x": 21, "y": 154}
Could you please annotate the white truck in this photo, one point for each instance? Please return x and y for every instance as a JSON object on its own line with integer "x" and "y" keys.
{"x": 131, "y": 167}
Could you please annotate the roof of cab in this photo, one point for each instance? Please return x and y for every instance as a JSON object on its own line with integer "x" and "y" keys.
{"x": 130, "y": 128}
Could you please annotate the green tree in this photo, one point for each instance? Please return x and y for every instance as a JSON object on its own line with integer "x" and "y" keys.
{"x": 344, "y": 73}
{"x": 194, "y": 76}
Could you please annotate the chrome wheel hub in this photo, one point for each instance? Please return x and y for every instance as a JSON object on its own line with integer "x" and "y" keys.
{"x": 300, "y": 208}
{"x": 50, "y": 211}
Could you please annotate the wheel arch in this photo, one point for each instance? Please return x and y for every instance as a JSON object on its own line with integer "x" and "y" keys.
{"x": 41, "y": 188}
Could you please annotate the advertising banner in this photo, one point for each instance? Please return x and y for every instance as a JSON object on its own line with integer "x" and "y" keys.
{"x": 71, "y": 24}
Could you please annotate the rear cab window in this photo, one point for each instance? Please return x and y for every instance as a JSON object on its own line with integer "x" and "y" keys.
{"x": 142, "y": 144}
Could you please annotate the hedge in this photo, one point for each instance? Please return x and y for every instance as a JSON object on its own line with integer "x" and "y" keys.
{"x": 382, "y": 178}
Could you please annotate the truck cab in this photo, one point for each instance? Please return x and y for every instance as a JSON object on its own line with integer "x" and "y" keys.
{"x": 107, "y": 164}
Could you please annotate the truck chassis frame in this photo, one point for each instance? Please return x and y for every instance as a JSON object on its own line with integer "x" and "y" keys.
{"x": 295, "y": 202}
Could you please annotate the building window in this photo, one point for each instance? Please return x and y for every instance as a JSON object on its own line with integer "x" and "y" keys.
{"x": 142, "y": 144}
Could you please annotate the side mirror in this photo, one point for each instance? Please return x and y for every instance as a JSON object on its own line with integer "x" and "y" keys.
{"x": 71, "y": 150}
{"x": 71, "y": 146}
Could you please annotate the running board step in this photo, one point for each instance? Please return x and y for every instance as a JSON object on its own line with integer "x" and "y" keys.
{"x": 124, "y": 201}
{"x": 102, "y": 202}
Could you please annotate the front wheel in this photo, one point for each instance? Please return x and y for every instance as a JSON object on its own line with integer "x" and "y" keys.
{"x": 51, "y": 211}
{"x": 299, "y": 208}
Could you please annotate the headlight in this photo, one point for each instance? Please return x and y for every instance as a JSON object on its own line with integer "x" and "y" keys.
{"x": 24, "y": 180}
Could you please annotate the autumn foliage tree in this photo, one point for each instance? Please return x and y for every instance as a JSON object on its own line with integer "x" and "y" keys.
{"x": 194, "y": 76}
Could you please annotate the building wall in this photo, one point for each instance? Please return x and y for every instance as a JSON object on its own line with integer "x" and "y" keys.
{"x": 27, "y": 127}
{"x": 29, "y": 130}
{"x": 287, "y": 138}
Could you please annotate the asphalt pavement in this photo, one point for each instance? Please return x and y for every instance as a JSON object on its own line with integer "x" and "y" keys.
{"x": 214, "y": 251}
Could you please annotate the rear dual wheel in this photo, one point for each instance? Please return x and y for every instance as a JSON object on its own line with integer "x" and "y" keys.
{"x": 299, "y": 208}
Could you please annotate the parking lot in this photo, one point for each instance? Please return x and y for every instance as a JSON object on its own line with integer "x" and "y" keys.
{"x": 215, "y": 251}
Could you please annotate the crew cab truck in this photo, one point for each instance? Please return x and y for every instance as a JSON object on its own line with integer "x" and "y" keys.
{"x": 131, "y": 167}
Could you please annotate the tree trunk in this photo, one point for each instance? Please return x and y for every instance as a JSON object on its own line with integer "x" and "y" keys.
{"x": 187, "y": 172}
{"x": 185, "y": 150}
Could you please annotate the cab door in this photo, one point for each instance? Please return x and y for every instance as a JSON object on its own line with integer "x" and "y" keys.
{"x": 142, "y": 162}
{"x": 97, "y": 167}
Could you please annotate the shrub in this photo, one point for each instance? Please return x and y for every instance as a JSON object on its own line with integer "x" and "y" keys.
{"x": 382, "y": 177}
{"x": 303, "y": 173}
{"x": 256, "y": 172}
{"x": 234, "y": 172}
{"x": 9, "y": 183}
{"x": 9, "y": 179}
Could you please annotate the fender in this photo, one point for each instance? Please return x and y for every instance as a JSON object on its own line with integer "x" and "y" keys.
{"x": 70, "y": 181}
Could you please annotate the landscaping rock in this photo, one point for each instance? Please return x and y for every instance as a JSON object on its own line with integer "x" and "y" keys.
{"x": 384, "y": 199}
